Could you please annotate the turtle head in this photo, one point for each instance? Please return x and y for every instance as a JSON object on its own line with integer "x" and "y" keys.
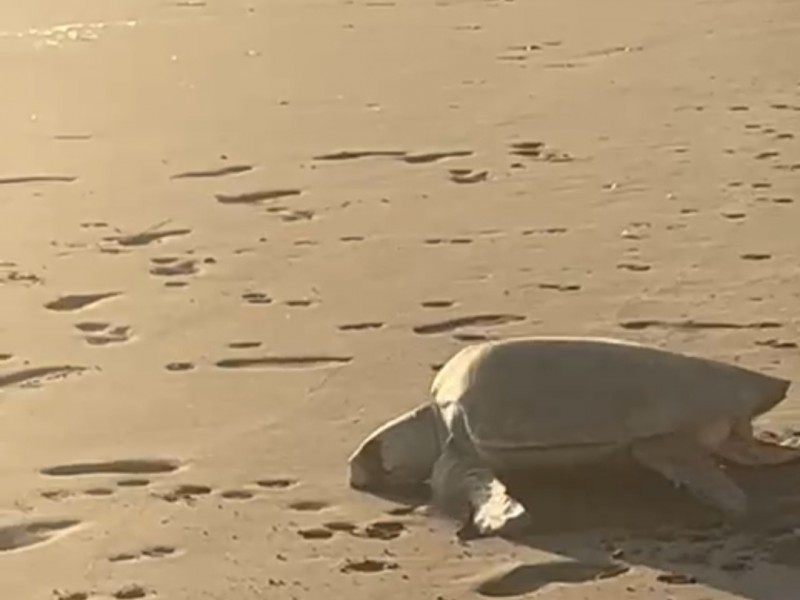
{"x": 399, "y": 454}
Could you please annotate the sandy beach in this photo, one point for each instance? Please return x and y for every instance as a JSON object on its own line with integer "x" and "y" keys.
{"x": 238, "y": 236}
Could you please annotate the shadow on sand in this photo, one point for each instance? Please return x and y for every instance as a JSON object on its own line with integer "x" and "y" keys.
{"x": 608, "y": 519}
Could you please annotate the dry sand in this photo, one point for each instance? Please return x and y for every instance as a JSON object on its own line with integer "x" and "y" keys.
{"x": 237, "y": 235}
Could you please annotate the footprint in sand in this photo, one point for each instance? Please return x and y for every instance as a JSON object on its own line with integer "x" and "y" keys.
{"x": 297, "y": 215}
{"x": 66, "y": 595}
{"x": 776, "y": 344}
{"x": 144, "y": 239}
{"x": 284, "y": 362}
{"x": 361, "y": 326}
{"x": 114, "y": 467}
{"x": 256, "y": 298}
{"x": 383, "y": 530}
{"x": 757, "y": 256}
{"x": 218, "y": 172}
{"x": 368, "y": 565}
{"x": 560, "y": 287}
{"x": 148, "y": 553}
{"x": 98, "y": 491}
{"x": 430, "y": 157}
{"x": 131, "y": 591}
{"x": 316, "y": 533}
{"x": 237, "y": 494}
{"x": 734, "y": 215}
{"x": 690, "y": 325}
{"x": 16, "y": 276}
{"x": 244, "y": 345}
{"x": 185, "y": 492}
{"x": 37, "y": 179}
{"x": 437, "y": 303}
{"x": 467, "y": 176}
{"x": 545, "y": 231}
{"x": 469, "y": 321}
{"x": 15, "y": 536}
{"x": 472, "y": 336}
{"x": 133, "y": 482}
{"x": 635, "y": 267}
{"x": 300, "y": 303}
{"x": 672, "y": 578}
{"x": 75, "y": 302}
{"x": 277, "y": 483}
{"x": 104, "y": 334}
{"x": 257, "y": 196}
{"x": 309, "y": 505}
{"x": 179, "y": 367}
{"x": 538, "y": 151}
{"x": 176, "y": 268}
{"x": 356, "y": 154}
{"x": 35, "y": 376}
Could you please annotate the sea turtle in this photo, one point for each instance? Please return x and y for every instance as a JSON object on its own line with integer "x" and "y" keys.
{"x": 522, "y": 402}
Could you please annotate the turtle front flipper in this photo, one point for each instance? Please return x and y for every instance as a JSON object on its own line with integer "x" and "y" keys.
{"x": 687, "y": 463}
{"x": 466, "y": 489}
{"x": 744, "y": 448}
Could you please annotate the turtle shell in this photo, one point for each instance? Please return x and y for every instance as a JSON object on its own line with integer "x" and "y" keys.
{"x": 549, "y": 392}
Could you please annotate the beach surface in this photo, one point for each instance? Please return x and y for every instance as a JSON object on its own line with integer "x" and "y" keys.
{"x": 238, "y": 236}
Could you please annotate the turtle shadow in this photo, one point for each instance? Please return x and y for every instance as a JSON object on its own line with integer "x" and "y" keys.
{"x": 608, "y": 518}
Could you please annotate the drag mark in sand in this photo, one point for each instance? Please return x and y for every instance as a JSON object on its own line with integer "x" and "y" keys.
{"x": 470, "y": 321}
{"x": 286, "y": 362}
{"x": 37, "y": 179}
{"x": 220, "y": 172}
{"x": 34, "y": 375}
{"x": 78, "y": 301}
{"x": 257, "y": 196}
{"x": 114, "y": 467}
{"x": 696, "y": 325}
{"x": 22, "y": 535}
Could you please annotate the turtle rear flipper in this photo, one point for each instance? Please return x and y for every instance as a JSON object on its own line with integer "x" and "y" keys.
{"x": 688, "y": 464}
